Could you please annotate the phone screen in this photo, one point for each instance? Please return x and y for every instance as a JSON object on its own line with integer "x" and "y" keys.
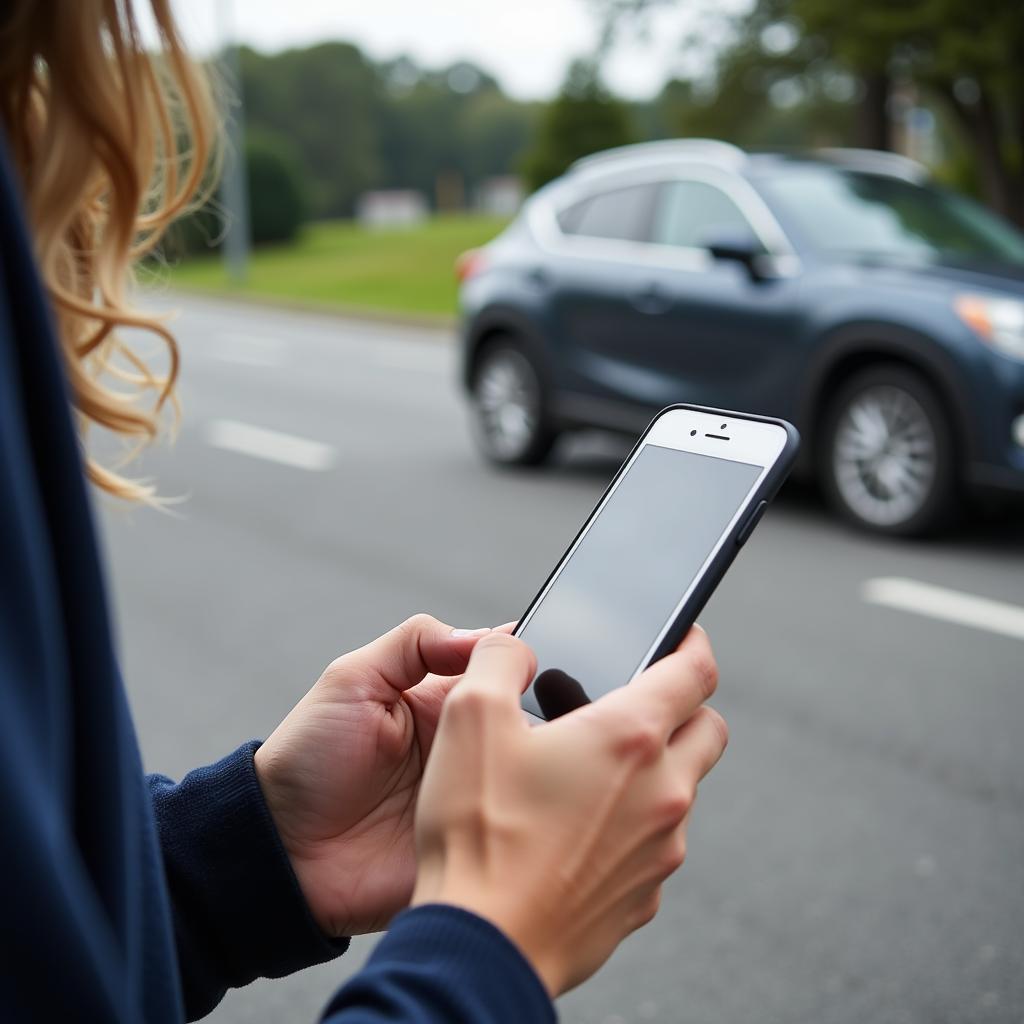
{"x": 621, "y": 585}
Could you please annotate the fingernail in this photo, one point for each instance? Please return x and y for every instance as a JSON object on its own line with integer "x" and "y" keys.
{"x": 471, "y": 632}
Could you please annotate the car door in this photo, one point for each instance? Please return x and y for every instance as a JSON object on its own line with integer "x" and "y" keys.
{"x": 718, "y": 334}
{"x": 600, "y": 295}
{"x": 644, "y": 315}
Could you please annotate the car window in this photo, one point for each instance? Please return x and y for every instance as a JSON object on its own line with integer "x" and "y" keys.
{"x": 622, "y": 213}
{"x": 874, "y": 216}
{"x": 688, "y": 213}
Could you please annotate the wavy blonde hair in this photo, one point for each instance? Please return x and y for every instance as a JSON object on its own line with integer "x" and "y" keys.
{"x": 112, "y": 142}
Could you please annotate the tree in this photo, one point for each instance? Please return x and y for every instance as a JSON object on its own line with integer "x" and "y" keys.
{"x": 424, "y": 138}
{"x": 277, "y": 202}
{"x": 354, "y": 124}
{"x": 965, "y": 53}
{"x": 962, "y": 55}
{"x": 492, "y": 132}
{"x": 583, "y": 119}
{"x": 326, "y": 102}
{"x": 757, "y": 105}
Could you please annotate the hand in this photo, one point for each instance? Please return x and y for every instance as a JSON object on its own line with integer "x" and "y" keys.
{"x": 562, "y": 835}
{"x": 341, "y": 773}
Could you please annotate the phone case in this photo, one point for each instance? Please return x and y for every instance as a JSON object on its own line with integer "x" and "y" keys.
{"x": 727, "y": 552}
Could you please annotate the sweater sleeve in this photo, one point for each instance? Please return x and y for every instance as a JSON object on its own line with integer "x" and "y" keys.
{"x": 442, "y": 965}
{"x": 239, "y": 913}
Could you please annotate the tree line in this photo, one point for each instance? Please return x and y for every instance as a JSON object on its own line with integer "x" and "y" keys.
{"x": 326, "y": 123}
{"x": 349, "y": 124}
{"x": 343, "y": 123}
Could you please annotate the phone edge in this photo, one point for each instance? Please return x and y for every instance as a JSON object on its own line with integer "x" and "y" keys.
{"x": 766, "y": 492}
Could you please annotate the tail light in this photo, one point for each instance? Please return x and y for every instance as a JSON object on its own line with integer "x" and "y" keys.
{"x": 469, "y": 264}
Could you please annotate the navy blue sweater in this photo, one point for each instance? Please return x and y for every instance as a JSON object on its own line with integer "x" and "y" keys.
{"x": 125, "y": 899}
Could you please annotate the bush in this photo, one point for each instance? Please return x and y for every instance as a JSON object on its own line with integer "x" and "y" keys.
{"x": 277, "y": 204}
{"x": 201, "y": 231}
{"x": 277, "y": 198}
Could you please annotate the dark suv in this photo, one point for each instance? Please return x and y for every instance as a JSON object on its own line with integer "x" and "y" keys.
{"x": 881, "y": 314}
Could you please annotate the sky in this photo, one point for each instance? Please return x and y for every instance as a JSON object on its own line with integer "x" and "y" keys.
{"x": 525, "y": 44}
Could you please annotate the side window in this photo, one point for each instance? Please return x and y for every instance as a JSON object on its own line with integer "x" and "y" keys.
{"x": 623, "y": 213}
{"x": 689, "y": 212}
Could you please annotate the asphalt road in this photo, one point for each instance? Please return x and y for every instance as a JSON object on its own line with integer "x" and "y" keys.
{"x": 857, "y": 857}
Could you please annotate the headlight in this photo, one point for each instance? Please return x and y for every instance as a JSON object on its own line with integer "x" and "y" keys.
{"x": 999, "y": 322}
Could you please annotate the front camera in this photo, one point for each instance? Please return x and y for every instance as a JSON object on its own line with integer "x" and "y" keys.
{"x": 723, "y": 426}
{"x": 693, "y": 433}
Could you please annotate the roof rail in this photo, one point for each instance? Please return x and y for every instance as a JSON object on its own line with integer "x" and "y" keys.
{"x": 876, "y": 161}
{"x": 706, "y": 150}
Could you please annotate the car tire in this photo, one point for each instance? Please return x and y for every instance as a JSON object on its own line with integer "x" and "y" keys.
{"x": 887, "y": 454}
{"x": 509, "y": 404}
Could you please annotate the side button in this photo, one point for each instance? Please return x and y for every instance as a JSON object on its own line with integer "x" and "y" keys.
{"x": 752, "y": 520}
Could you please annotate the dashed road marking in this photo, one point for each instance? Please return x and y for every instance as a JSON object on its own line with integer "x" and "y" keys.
{"x": 300, "y": 452}
{"x": 945, "y": 604}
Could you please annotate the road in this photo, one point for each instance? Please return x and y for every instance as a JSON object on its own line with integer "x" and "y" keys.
{"x": 858, "y": 856}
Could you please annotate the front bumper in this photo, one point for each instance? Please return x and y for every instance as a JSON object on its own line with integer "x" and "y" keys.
{"x": 999, "y": 465}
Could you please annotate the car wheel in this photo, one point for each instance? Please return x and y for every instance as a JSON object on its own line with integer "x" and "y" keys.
{"x": 887, "y": 455}
{"x": 511, "y": 420}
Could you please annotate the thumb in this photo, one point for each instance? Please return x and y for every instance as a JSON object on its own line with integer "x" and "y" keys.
{"x": 500, "y": 669}
{"x": 404, "y": 655}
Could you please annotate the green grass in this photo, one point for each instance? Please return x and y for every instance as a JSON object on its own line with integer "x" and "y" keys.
{"x": 339, "y": 264}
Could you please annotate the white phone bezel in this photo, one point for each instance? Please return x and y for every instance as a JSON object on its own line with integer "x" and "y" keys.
{"x": 734, "y": 439}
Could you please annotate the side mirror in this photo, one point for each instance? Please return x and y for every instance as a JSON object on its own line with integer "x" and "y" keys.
{"x": 739, "y": 246}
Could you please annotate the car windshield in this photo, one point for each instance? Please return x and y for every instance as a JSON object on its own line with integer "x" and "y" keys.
{"x": 877, "y": 217}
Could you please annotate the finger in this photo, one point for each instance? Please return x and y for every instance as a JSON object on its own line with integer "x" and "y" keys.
{"x": 500, "y": 669}
{"x": 420, "y": 645}
{"x": 672, "y": 689}
{"x": 698, "y": 746}
{"x": 441, "y": 685}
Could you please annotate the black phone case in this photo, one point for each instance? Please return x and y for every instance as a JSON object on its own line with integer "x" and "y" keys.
{"x": 728, "y": 551}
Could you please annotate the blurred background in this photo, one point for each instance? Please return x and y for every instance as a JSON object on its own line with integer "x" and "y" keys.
{"x": 345, "y": 460}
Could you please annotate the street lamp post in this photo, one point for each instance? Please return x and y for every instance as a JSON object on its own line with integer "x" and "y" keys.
{"x": 234, "y": 187}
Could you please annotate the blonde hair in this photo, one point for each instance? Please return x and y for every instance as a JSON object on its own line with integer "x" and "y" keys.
{"x": 111, "y": 143}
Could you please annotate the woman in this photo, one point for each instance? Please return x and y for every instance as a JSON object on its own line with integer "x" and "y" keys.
{"x": 525, "y": 855}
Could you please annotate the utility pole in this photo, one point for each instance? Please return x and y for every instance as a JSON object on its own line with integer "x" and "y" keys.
{"x": 234, "y": 187}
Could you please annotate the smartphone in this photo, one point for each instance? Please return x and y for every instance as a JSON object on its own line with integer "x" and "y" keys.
{"x": 652, "y": 551}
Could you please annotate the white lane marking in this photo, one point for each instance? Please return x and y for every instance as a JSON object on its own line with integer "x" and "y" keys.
{"x": 300, "y": 452}
{"x": 945, "y": 604}
{"x": 247, "y": 349}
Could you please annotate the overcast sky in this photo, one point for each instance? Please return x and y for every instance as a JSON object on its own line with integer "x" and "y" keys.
{"x": 526, "y": 44}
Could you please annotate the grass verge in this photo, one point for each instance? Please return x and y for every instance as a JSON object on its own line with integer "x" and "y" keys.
{"x": 340, "y": 265}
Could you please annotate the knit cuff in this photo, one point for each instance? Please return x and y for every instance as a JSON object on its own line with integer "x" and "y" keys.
{"x": 235, "y": 896}
{"x": 442, "y": 963}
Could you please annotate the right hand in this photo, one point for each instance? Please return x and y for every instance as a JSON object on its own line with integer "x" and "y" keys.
{"x": 562, "y": 835}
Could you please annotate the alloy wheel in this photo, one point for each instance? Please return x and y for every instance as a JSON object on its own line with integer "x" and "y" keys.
{"x": 884, "y": 456}
{"x": 507, "y": 403}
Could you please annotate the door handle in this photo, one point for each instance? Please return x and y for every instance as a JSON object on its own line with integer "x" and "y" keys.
{"x": 651, "y": 298}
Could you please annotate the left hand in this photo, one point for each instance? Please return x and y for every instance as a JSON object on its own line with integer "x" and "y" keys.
{"x": 342, "y": 772}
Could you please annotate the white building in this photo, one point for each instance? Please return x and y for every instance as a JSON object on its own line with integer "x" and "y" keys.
{"x": 391, "y": 208}
{"x": 501, "y": 196}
